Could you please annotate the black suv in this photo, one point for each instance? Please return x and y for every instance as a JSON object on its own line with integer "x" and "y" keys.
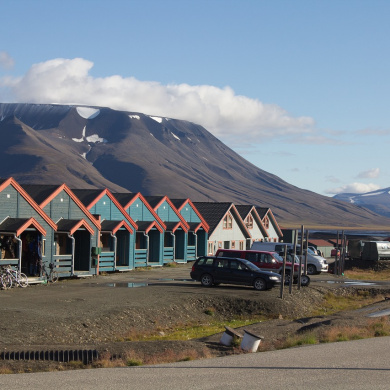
{"x": 211, "y": 270}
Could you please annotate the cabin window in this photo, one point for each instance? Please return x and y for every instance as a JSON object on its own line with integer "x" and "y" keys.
{"x": 266, "y": 222}
{"x": 249, "y": 222}
{"x": 233, "y": 245}
{"x": 241, "y": 245}
{"x": 210, "y": 246}
{"x": 227, "y": 221}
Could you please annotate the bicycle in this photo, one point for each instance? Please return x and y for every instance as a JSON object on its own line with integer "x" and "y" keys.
{"x": 52, "y": 276}
{"x": 11, "y": 276}
{"x": 5, "y": 280}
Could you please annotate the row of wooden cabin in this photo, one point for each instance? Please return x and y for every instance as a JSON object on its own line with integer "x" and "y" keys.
{"x": 89, "y": 231}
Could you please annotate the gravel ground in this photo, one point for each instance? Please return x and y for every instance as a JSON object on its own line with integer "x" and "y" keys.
{"x": 102, "y": 312}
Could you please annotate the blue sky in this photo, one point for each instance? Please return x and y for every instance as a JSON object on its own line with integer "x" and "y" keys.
{"x": 299, "y": 88}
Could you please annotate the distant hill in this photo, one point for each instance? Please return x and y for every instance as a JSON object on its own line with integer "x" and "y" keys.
{"x": 89, "y": 147}
{"x": 377, "y": 201}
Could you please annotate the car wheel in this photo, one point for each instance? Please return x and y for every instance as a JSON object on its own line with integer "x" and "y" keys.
{"x": 287, "y": 278}
{"x": 305, "y": 280}
{"x": 260, "y": 284}
{"x": 206, "y": 280}
{"x": 311, "y": 269}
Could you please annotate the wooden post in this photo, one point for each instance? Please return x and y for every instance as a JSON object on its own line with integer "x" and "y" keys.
{"x": 300, "y": 258}
{"x": 295, "y": 251}
{"x": 283, "y": 272}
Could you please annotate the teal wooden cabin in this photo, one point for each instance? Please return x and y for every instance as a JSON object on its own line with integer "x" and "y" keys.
{"x": 77, "y": 229}
{"x": 198, "y": 228}
{"x": 22, "y": 224}
{"x": 149, "y": 238}
{"x": 176, "y": 232}
{"x": 117, "y": 235}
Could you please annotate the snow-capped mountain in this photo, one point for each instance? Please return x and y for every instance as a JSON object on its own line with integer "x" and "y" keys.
{"x": 377, "y": 201}
{"x": 89, "y": 147}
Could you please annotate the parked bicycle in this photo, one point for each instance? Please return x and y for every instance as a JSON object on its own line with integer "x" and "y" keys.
{"x": 12, "y": 277}
{"x": 5, "y": 280}
{"x": 51, "y": 276}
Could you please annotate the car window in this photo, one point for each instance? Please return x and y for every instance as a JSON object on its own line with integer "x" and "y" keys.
{"x": 251, "y": 256}
{"x": 277, "y": 257}
{"x": 228, "y": 254}
{"x": 206, "y": 261}
{"x": 234, "y": 264}
{"x": 222, "y": 263}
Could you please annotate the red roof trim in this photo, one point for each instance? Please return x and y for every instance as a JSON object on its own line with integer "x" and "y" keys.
{"x": 178, "y": 225}
{"x": 31, "y": 221}
{"x": 262, "y": 227}
{"x": 124, "y": 224}
{"x": 148, "y": 206}
{"x": 205, "y": 224}
{"x": 81, "y": 223}
{"x": 64, "y": 187}
{"x": 26, "y": 196}
{"x": 165, "y": 198}
{"x": 152, "y": 225}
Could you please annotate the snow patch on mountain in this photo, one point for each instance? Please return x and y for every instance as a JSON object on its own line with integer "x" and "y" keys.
{"x": 94, "y": 138}
{"x": 175, "y": 136}
{"x": 88, "y": 112}
{"x": 134, "y": 117}
{"x": 156, "y": 118}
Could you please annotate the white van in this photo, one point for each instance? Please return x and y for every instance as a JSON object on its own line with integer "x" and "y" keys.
{"x": 315, "y": 263}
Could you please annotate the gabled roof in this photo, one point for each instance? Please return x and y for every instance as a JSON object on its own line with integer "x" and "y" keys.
{"x": 157, "y": 201}
{"x": 89, "y": 197}
{"x": 55, "y": 191}
{"x": 127, "y": 199}
{"x": 72, "y": 225}
{"x": 39, "y": 192}
{"x": 263, "y": 212}
{"x": 114, "y": 226}
{"x": 173, "y": 226}
{"x": 214, "y": 212}
{"x": 146, "y": 226}
{"x": 11, "y": 181}
{"x": 19, "y": 225}
{"x": 180, "y": 204}
{"x": 245, "y": 210}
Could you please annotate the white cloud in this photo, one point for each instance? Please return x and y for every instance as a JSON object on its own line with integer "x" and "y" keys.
{"x": 220, "y": 110}
{"x": 354, "y": 188}
{"x": 370, "y": 174}
{"x": 6, "y": 61}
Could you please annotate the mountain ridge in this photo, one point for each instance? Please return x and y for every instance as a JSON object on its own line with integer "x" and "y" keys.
{"x": 95, "y": 147}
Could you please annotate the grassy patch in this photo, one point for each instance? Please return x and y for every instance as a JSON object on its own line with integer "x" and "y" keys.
{"x": 334, "y": 303}
{"x": 363, "y": 274}
{"x": 188, "y": 331}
